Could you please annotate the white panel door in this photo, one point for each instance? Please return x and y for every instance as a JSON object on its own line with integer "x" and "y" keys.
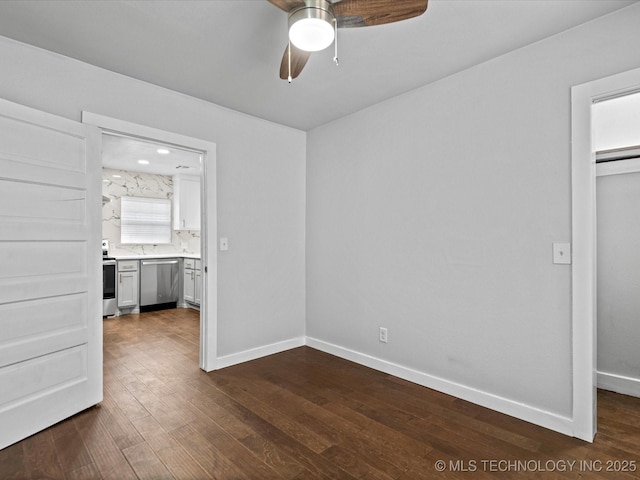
{"x": 50, "y": 283}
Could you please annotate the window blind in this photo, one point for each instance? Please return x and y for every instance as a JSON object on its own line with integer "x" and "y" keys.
{"x": 145, "y": 220}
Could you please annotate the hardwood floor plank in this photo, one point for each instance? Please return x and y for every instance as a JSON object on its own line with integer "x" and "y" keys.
{"x": 86, "y": 472}
{"x": 118, "y": 425}
{"x": 354, "y": 464}
{"x": 214, "y": 462}
{"x": 444, "y": 407}
{"x": 341, "y": 417}
{"x": 365, "y": 446}
{"x": 145, "y": 463}
{"x": 120, "y": 471}
{"x": 175, "y": 457}
{"x": 312, "y": 461}
{"x": 229, "y": 447}
{"x": 272, "y": 455}
{"x": 148, "y": 427}
{"x": 104, "y": 451}
{"x": 277, "y": 417}
{"x": 452, "y": 440}
{"x": 400, "y": 451}
{"x": 211, "y": 404}
{"x": 315, "y": 419}
{"x": 148, "y": 379}
{"x": 167, "y": 416}
{"x": 13, "y": 463}
{"x": 71, "y": 450}
{"x": 269, "y": 433}
{"x": 354, "y": 441}
{"x": 350, "y": 433}
{"x": 129, "y": 405}
{"x": 40, "y": 457}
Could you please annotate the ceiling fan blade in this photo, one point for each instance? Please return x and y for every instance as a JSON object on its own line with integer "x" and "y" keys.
{"x": 364, "y": 13}
{"x": 287, "y": 5}
{"x": 298, "y": 61}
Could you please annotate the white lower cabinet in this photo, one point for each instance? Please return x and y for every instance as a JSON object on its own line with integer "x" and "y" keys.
{"x": 189, "y": 284}
{"x": 198, "y": 283}
{"x": 127, "y": 290}
{"x": 192, "y": 281}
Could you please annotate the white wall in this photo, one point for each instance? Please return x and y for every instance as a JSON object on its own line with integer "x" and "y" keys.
{"x": 260, "y": 180}
{"x": 433, "y": 214}
{"x": 618, "y": 221}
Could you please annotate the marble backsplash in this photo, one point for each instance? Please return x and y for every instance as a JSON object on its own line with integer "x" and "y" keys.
{"x": 134, "y": 184}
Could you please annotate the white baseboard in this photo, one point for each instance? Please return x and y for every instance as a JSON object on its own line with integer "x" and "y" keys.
{"x": 619, "y": 384}
{"x": 254, "y": 353}
{"x": 522, "y": 411}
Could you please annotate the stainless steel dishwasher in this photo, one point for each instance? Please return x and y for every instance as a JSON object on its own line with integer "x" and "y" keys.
{"x": 158, "y": 284}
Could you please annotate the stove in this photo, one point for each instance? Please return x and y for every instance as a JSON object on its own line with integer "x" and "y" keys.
{"x": 109, "y": 299}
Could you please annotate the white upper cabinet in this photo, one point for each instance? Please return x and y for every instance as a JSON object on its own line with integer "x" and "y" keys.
{"x": 186, "y": 202}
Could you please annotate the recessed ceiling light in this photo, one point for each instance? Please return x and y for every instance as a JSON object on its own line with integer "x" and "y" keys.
{"x": 105, "y": 180}
{"x": 163, "y": 151}
{"x": 116, "y": 176}
{"x": 143, "y": 162}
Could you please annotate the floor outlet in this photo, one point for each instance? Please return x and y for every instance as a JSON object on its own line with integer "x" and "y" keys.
{"x": 383, "y": 335}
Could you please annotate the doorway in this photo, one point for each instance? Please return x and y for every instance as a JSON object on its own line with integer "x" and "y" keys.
{"x": 616, "y": 127}
{"x": 583, "y": 209}
{"x": 151, "y": 218}
{"x": 206, "y": 152}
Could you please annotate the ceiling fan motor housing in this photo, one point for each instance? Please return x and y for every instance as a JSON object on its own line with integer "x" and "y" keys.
{"x": 311, "y": 27}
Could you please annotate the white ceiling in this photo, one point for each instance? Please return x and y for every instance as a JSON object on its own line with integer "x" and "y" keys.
{"x": 123, "y": 153}
{"x": 228, "y": 51}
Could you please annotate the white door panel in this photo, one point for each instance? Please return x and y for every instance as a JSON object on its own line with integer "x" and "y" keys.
{"x": 26, "y": 202}
{"x": 36, "y": 376}
{"x": 60, "y": 152}
{"x": 42, "y": 316}
{"x": 50, "y": 284}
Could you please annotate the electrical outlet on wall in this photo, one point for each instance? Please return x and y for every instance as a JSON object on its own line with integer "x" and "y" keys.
{"x": 383, "y": 335}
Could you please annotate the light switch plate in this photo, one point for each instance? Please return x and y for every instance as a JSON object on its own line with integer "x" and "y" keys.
{"x": 224, "y": 244}
{"x": 562, "y": 253}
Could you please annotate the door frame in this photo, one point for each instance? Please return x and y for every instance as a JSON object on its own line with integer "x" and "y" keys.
{"x": 583, "y": 231}
{"x": 209, "y": 215}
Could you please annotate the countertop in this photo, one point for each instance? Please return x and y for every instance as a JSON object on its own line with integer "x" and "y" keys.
{"x": 156, "y": 255}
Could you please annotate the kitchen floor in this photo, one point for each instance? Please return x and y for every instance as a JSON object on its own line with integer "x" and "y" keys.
{"x": 301, "y": 414}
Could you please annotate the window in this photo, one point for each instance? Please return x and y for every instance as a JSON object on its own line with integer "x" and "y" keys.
{"x": 145, "y": 220}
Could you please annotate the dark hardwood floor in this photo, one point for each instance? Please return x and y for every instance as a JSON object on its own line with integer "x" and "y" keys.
{"x": 297, "y": 415}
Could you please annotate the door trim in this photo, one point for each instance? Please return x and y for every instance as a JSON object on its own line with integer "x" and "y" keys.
{"x": 583, "y": 231}
{"x": 209, "y": 216}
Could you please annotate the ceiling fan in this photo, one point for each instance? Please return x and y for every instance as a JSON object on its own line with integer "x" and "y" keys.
{"x": 313, "y": 24}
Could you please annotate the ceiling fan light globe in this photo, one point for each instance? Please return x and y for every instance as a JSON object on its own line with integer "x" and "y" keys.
{"x": 311, "y": 27}
{"x": 311, "y": 34}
